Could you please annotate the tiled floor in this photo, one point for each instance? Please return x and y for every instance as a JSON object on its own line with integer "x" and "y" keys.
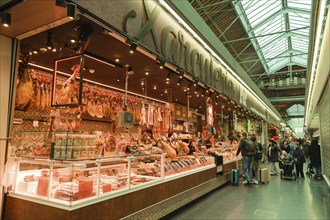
{"x": 279, "y": 199}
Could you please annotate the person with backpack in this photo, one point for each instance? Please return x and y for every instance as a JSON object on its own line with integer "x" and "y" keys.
{"x": 257, "y": 158}
{"x": 274, "y": 152}
{"x": 248, "y": 151}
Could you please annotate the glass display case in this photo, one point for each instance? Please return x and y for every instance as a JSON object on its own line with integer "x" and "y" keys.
{"x": 69, "y": 183}
{"x": 227, "y": 150}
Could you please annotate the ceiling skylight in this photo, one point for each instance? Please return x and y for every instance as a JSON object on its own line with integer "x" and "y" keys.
{"x": 279, "y": 30}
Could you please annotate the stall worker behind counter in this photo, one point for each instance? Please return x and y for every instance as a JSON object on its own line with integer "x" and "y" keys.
{"x": 193, "y": 147}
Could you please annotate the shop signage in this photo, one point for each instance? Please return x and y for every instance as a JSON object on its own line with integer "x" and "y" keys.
{"x": 150, "y": 25}
{"x": 160, "y": 33}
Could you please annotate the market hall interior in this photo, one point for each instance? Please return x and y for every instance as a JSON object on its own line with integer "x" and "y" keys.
{"x": 104, "y": 102}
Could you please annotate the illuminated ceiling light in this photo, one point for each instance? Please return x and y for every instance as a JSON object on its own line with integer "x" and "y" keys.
{"x": 199, "y": 106}
{"x": 155, "y": 87}
{"x": 161, "y": 62}
{"x": 117, "y": 60}
{"x": 176, "y": 99}
{"x": 133, "y": 47}
{"x": 5, "y": 19}
{"x": 147, "y": 73}
{"x": 168, "y": 76}
{"x": 35, "y": 52}
{"x": 179, "y": 82}
{"x": 165, "y": 91}
{"x": 71, "y": 10}
{"x": 181, "y": 73}
{"x": 54, "y": 49}
{"x": 73, "y": 41}
{"x": 167, "y": 82}
{"x": 118, "y": 79}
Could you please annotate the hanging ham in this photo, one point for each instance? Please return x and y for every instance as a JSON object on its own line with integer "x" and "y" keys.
{"x": 65, "y": 93}
{"x": 24, "y": 90}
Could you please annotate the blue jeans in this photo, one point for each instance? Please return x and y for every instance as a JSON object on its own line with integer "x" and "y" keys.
{"x": 247, "y": 168}
{"x": 317, "y": 170}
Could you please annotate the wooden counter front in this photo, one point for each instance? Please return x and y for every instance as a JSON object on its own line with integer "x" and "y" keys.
{"x": 114, "y": 208}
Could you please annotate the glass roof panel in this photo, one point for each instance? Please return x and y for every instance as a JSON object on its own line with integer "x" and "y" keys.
{"x": 305, "y": 5}
{"x": 296, "y": 110}
{"x": 283, "y": 27}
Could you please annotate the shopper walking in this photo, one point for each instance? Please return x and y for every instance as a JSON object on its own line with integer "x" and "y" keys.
{"x": 257, "y": 158}
{"x": 314, "y": 152}
{"x": 246, "y": 160}
{"x": 274, "y": 152}
{"x": 299, "y": 159}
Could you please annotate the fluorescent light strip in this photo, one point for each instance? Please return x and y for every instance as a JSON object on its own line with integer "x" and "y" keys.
{"x": 316, "y": 53}
{"x": 96, "y": 83}
{"x": 195, "y": 35}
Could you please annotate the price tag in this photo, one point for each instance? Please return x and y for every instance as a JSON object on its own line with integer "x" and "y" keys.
{"x": 35, "y": 124}
{"x": 106, "y": 188}
{"x": 85, "y": 189}
{"x": 42, "y": 189}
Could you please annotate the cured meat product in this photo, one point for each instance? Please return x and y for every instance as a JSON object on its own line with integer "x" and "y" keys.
{"x": 64, "y": 95}
{"x": 170, "y": 152}
{"x": 91, "y": 108}
{"x": 155, "y": 117}
{"x": 99, "y": 110}
{"x": 183, "y": 147}
{"x": 105, "y": 108}
{"x": 43, "y": 96}
{"x": 159, "y": 117}
{"x": 143, "y": 115}
{"x": 47, "y": 101}
{"x": 24, "y": 90}
{"x": 33, "y": 99}
{"x": 38, "y": 95}
{"x": 74, "y": 100}
{"x": 150, "y": 120}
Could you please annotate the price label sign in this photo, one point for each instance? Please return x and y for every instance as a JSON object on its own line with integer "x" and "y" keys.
{"x": 85, "y": 189}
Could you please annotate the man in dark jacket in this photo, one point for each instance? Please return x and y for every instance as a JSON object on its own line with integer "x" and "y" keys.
{"x": 246, "y": 160}
{"x": 314, "y": 153}
{"x": 299, "y": 159}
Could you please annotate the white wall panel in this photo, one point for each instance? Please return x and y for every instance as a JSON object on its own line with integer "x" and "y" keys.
{"x": 325, "y": 132}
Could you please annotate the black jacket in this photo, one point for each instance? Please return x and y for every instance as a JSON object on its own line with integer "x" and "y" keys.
{"x": 298, "y": 154}
{"x": 242, "y": 148}
{"x": 314, "y": 153}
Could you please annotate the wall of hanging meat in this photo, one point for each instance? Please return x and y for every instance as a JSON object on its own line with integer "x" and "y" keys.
{"x": 93, "y": 124}
{"x": 91, "y": 153}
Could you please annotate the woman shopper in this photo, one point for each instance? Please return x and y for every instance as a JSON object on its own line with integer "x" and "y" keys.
{"x": 314, "y": 153}
{"x": 274, "y": 157}
{"x": 299, "y": 159}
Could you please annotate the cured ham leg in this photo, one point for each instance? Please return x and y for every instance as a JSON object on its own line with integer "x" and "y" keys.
{"x": 24, "y": 90}
{"x": 65, "y": 93}
{"x": 38, "y": 95}
{"x": 43, "y": 96}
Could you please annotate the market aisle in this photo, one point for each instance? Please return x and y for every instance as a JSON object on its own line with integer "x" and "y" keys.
{"x": 280, "y": 199}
